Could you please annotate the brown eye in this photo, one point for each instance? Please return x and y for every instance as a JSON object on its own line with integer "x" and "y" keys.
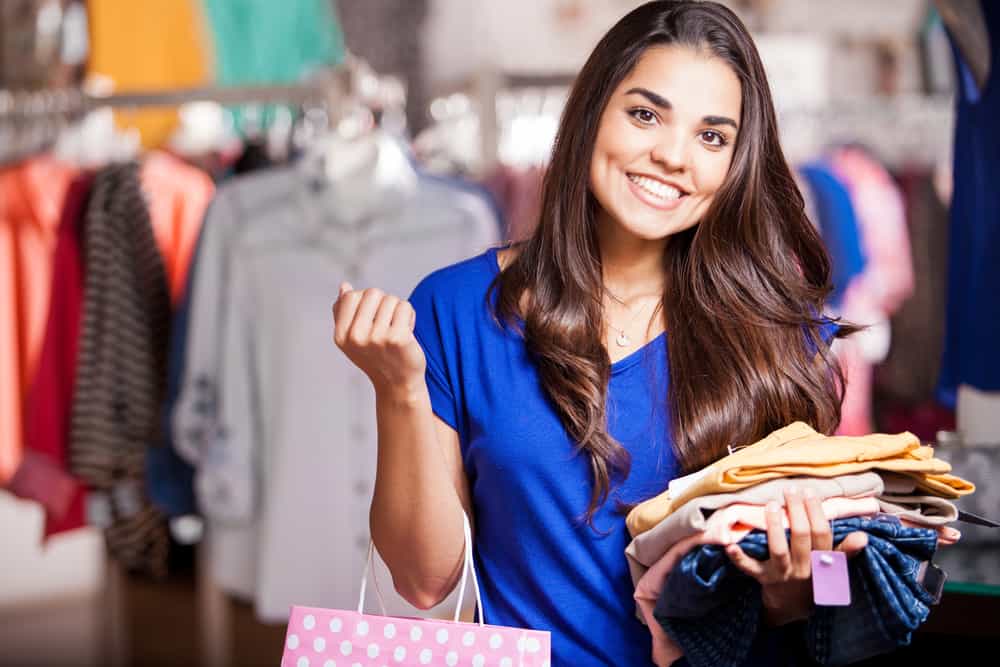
{"x": 713, "y": 138}
{"x": 644, "y": 116}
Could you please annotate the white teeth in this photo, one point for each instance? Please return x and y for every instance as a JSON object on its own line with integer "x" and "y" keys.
{"x": 655, "y": 188}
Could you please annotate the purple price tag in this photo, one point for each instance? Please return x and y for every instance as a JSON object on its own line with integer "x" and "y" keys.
{"x": 831, "y": 581}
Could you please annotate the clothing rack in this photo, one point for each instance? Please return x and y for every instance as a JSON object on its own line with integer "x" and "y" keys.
{"x": 333, "y": 90}
{"x": 352, "y": 81}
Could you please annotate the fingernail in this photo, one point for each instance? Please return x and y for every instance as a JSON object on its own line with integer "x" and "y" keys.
{"x": 809, "y": 492}
{"x": 773, "y": 507}
{"x": 793, "y": 490}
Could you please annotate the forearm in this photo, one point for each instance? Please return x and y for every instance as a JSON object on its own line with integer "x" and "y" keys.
{"x": 416, "y": 512}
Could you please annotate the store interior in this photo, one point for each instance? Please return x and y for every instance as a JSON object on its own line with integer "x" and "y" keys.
{"x": 301, "y": 123}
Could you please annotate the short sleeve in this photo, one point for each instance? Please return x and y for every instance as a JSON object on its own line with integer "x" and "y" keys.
{"x": 436, "y": 335}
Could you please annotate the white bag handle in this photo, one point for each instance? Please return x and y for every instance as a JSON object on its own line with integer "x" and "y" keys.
{"x": 467, "y": 567}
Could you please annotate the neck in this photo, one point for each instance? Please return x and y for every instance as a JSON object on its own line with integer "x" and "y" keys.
{"x": 632, "y": 267}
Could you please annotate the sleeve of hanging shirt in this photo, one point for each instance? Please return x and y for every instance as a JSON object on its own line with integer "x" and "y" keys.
{"x": 194, "y": 413}
{"x": 225, "y": 479}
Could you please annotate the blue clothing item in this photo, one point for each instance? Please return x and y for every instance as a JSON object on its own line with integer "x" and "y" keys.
{"x": 540, "y": 565}
{"x": 972, "y": 326}
{"x": 838, "y": 225}
{"x": 713, "y": 610}
{"x": 169, "y": 478}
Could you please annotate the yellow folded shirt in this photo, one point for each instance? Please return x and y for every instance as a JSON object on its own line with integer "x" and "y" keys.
{"x": 798, "y": 450}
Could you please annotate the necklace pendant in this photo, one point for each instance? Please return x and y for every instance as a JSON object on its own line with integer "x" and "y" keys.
{"x": 622, "y": 340}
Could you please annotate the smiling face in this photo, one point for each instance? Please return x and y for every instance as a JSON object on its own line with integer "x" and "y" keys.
{"x": 665, "y": 142}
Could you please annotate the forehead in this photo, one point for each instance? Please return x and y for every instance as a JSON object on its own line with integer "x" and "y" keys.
{"x": 693, "y": 81}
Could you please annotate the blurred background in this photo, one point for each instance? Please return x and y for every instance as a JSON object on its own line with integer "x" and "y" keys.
{"x": 184, "y": 183}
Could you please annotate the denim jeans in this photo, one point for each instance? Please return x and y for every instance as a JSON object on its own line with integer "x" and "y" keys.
{"x": 713, "y": 610}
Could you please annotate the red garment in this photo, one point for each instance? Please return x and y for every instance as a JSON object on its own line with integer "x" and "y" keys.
{"x": 43, "y": 475}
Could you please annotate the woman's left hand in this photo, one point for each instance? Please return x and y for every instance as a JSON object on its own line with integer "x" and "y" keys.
{"x": 786, "y": 577}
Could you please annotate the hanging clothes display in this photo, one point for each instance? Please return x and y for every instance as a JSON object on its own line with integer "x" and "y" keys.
{"x": 43, "y": 475}
{"x": 140, "y": 54}
{"x": 971, "y": 355}
{"x": 261, "y": 41}
{"x": 278, "y": 423}
{"x": 838, "y": 226}
{"x": 875, "y": 294}
{"x": 31, "y": 197}
{"x": 121, "y": 368}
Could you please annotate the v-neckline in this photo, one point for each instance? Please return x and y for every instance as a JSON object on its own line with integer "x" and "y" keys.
{"x": 629, "y": 360}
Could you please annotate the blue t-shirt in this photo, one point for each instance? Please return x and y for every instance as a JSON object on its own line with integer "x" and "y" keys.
{"x": 540, "y": 565}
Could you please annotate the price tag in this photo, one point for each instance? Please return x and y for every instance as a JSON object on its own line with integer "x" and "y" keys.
{"x": 830, "y": 578}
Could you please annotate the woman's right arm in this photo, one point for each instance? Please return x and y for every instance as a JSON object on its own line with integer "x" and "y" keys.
{"x": 420, "y": 485}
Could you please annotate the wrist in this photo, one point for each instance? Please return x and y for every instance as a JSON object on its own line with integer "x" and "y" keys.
{"x": 406, "y": 393}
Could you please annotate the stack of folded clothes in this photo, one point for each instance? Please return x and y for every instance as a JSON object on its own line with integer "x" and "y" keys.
{"x": 698, "y": 604}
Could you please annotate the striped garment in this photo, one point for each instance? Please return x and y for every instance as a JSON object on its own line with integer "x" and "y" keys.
{"x": 121, "y": 368}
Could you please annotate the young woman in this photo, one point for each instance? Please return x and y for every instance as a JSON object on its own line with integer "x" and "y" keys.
{"x": 665, "y": 307}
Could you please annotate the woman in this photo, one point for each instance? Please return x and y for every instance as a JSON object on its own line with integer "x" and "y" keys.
{"x": 529, "y": 386}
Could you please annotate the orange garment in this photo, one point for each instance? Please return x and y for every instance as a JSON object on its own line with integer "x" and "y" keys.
{"x": 149, "y": 45}
{"x": 798, "y": 450}
{"x": 178, "y": 196}
{"x": 31, "y": 200}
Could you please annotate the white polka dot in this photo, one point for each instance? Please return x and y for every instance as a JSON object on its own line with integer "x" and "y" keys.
{"x": 373, "y": 650}
{"x": 478, "y": 660}
{"x": 319, "y": 644}
{"x": 363, "y": 628}
{"x": 468, "y": 639}
{"x": 302, "y": 662}
{"x": 329, "y": 663}
{"x": 346, "y": 648}
{"x": 496, "y": 641}
{"x": 532, "y": 645}
{"x": 293, "y": 641}
{"x": 389, "y": 631}
{"x": 451, "y": 659}
{"x": 416, "y": 633}
{"x": 506, "y": 662}
{"x": 546, "y": 663}
{"x": 309, "y": 622}
{"x": 336, "y": 625}
{"x": 520, "y": 644}
{"x": 425, "y": 657}
{"x": 357, "y": 664}
{"x": 399, "y": 654}
{"x": 442, "y": 636}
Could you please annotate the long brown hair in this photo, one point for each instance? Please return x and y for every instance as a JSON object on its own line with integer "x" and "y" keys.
{"x": 745, "y": 287}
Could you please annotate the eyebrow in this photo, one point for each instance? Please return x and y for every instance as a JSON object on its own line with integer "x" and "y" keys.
{"x": 664, "y": 103}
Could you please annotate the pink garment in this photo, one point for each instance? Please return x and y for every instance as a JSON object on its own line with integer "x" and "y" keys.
{"x": 887, "y": 280}
{"x": 31, "y": 198}
{"x": 856, "y": 409}
{"x": 726, "y": 526}
{"x": 881, "y": 214}
{"x": 731, "y": 524}
{"x": 178, "y": 195}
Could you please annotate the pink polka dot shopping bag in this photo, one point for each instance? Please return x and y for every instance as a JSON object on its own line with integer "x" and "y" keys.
{"x": 337, "y": 638}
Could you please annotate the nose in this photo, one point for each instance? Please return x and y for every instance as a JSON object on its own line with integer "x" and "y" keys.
{"x": 671, "y": 151}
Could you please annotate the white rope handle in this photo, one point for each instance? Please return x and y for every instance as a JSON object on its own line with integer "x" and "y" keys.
{"x": 468, "y": 566}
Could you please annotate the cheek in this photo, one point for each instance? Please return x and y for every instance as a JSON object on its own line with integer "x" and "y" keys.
{"x": 712, "y": 173}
